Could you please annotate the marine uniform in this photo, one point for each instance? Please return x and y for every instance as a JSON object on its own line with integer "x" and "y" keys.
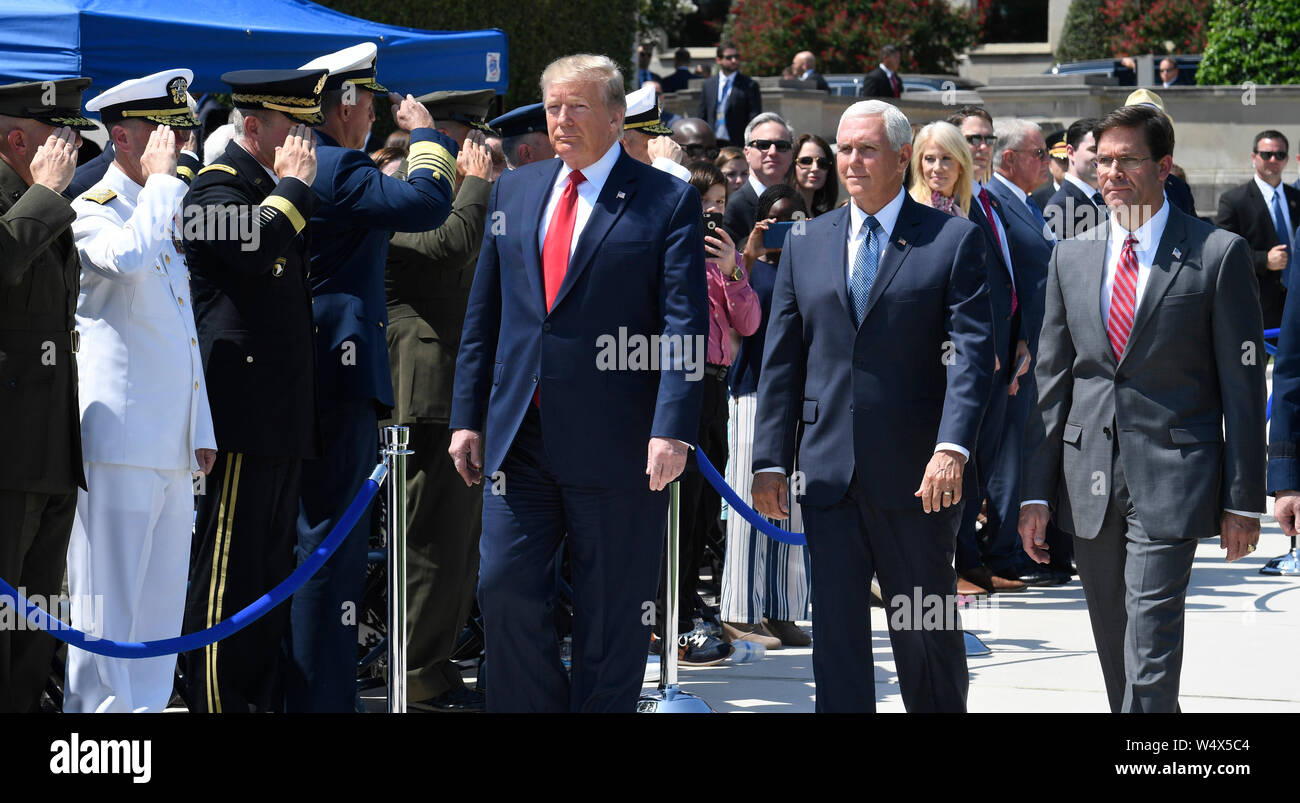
{"x": 40, "y": 439}
{"x": 427, "y": 281}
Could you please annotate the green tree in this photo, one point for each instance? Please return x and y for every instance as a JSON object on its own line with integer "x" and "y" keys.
{"x": 1252, "y": 40}
{"x": 1083, "y": 36}
{"x": 537, "y": 31}
{"x": 769, "y": 32}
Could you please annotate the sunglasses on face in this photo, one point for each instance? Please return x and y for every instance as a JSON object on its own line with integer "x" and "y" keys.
{"x": 1278, "y": 156}
{"x": 730, "y": 57}
{"x": 781, "y": 145}
{"x": 820, "y": 161}
{"x": 1039, "y": 154}
{"x": 980, "y": 139}
{"x": 698, "y": 151}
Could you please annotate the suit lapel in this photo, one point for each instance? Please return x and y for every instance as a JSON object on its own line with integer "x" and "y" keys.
{"x": 1165, "y": 265}
{"x": 839, "y": 240}
{"x": 893, "y": 253}
{"x": 614, "y": 198}
{"x": 1094, "y": 277}
{"x": 535, "y": 196}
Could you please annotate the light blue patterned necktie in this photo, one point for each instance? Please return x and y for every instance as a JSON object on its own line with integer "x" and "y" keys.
{"x": 1283, "y": 238}
{"x": 865, "y": 264}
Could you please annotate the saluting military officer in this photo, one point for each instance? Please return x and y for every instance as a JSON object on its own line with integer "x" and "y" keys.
{"x": 40, "y": 440}
{"x": 145, "y": 423}
{"x": 428, "y": 278}
{"x": 359, "y": 209}
{"x": 253, "y": 309}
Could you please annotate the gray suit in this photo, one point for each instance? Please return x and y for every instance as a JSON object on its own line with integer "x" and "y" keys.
{"x": 1131, "y": 454}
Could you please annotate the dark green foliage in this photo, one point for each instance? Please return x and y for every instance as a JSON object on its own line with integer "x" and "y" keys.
{"x": 1252, "y": 40}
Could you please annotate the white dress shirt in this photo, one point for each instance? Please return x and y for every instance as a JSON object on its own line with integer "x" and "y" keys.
{"x": 1268, "y": 193}
{"x": 588, "y": 191}
{"x": 725, "y": 84}
{"x": 1148, "y": 237}
{"x": 1083, "y": 185}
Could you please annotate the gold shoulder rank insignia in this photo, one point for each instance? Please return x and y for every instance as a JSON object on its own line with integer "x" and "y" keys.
{"x": 221, "y": 167}
{"x": 101, "y": 197}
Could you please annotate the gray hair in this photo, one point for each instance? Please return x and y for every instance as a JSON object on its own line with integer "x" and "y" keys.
{"x": 215, "y": 145}
{"x": 588, "y": 68}
{"x": 768, "y": 117}
{"x": 1011, "y": 133}
{"x": 897, "y": 127}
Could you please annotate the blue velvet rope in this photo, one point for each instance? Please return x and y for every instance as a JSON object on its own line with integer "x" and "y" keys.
{"x": 192, "y": 641}
{"x": 737, "y": 505}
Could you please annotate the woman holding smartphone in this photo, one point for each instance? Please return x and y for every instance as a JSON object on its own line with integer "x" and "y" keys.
{"x": 764, "y": 582}
{"x": 733, "y": 304}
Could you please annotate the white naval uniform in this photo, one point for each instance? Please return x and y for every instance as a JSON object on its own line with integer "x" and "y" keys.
{"x": 144, "y": 411}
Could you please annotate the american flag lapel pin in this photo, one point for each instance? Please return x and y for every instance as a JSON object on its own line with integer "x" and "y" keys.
{"x": 902, "y": 242}
{"x": 621, "y": 195}
{"x": 1178, "y": 254}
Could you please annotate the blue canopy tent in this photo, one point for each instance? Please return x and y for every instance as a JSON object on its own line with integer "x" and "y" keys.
{"x": 114, "y": 40}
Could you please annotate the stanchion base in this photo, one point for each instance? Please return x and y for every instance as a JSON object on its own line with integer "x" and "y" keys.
{"x": 1288, "y": 564}
{"x": 671, "y": 700}
{"x": 974, "y": 647}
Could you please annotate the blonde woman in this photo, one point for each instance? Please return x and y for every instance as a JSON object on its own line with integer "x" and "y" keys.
{"x": 941, "y": 169}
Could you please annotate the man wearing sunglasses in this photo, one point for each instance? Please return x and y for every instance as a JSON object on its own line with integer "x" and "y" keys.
{"x": 769, "y": 150}
{"x": 1265, "y": 212}
{"x": 729, "y": 102}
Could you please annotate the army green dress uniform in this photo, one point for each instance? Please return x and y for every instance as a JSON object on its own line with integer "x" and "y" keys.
{"x": 253, "y": 312}
{"x": 40, "y": 425}
{"x": 427, "y": 281}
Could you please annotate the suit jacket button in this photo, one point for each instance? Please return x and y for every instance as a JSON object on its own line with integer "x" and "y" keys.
{"x": 546, "y": 327}
{"x": 850, "y": 408}
{"x": 249, "y": 358}
{"x": 534, "y": 377}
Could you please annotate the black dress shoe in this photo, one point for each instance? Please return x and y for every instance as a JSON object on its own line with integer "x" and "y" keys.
{"x": 458, "y": 700}
{"x": 1043, "y": 576}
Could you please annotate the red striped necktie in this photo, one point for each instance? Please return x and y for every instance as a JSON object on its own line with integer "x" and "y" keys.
{"x": 1123, "y": 298}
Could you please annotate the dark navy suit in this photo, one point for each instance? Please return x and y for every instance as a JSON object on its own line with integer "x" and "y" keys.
{"x": 916, "y": 373}
{"x": 1071, "y": 212}
{"x": 576, "y": 466}
{"x": 358, "y": 210}
{"x": 1027, "y": 239}
{"x": 1006, "y": 328}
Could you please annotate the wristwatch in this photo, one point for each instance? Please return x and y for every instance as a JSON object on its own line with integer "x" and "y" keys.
{"x": 737, "y": 273}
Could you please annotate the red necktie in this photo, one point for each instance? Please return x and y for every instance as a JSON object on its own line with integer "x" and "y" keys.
{"x": 993, "y": 225}
{"x": 555, "y": 248}
{"x": 1123, "y": 298}
{"x": 897, "y": 85}
{"x": 559, "y": 238}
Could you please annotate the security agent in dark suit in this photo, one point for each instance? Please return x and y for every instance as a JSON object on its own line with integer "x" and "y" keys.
{"x": 427, "y": 280}
{"x": 769, "y": 151}
{"x": 1266, "y": 212}
{"x": 358, "y": 209}
{"x": 1149, "y": 429}
{"x": 681, "y": 76}
{"x": 252, "y": 309}
{"x": 729, "y": 101}
{"x": 1077, "y": 206}
{"x": 40, "y": 423}
{"x": 884, "y": 81}
{"x": 576, "y": 436}
{"x": 805, "y": 69}
{"x": 881, "y": 335}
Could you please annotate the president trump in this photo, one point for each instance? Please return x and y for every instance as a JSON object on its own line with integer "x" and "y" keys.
{"x": 880, "y": 337}
{"x": 580, "y": 250}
